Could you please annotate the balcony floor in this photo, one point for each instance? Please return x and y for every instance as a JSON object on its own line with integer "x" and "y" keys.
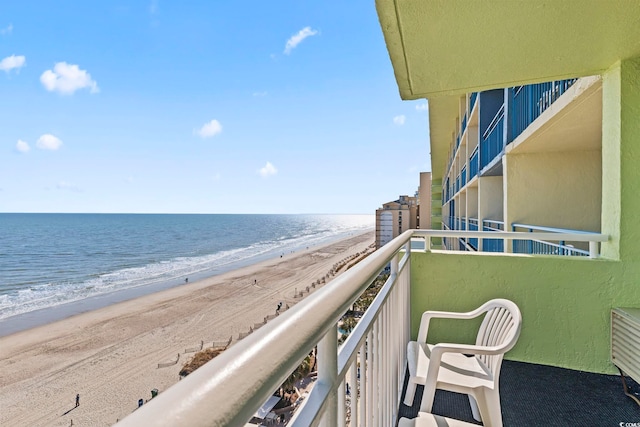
{"x": 535, "y": 395}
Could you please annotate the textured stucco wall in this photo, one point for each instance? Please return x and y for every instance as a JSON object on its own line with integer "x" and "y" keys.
{"x": 620, "y": 160}
{"x": 556, "y": 189}
{"x": 490, "y": 199}
{"x": 565, "y": 302}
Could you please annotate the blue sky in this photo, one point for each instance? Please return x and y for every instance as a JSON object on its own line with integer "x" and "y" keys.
{"x": 202, "y": 107}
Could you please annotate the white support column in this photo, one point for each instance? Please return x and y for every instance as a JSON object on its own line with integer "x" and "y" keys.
{"x": 384, "y": 347}
{"x": 362, "y": 401}
{"x": 593, "y": 249}
{"x": 370, "y": 382}
{"x": 341, "y": 406}
{"x": 328, "y": 373}
{"x": 353, "y": 390}
{"x": 375, "y": 359}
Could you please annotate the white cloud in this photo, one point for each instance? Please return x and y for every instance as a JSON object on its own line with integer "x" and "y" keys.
{"x": 296, "y": 39}
{"x": 424, "y": 106}
{"x": 48, "y": 142}
{"x": 7, "y": 30}
{"x": 260, "y": 94}
{"x": 22, "y": 146}
{"x": 67, "y": 78}
{"x": 268, "y": 170}
{"x": 11, "y": 62}
{"x": 209, "y": 129}
{"x": 399, "y": 120}
{"x": 153, "y": 7}
{"x": 64, "y": 185}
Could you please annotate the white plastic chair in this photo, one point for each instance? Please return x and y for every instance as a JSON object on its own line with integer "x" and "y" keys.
{"x": 445, "y": 366}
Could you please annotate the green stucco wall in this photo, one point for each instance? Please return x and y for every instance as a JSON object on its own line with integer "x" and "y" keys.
{"x": 565, "y": 303}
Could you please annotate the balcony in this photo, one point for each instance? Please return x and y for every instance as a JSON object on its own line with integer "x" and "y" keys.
{"x": 528, "y": 102}
{"x": 492, "y": 141}
{"x": 561, "y": 322}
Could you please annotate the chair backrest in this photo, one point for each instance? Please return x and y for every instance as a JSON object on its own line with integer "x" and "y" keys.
{"x": 500, "y": 328}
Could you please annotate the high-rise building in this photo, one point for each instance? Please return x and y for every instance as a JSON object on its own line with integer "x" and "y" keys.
{"x": 394, "y": 218}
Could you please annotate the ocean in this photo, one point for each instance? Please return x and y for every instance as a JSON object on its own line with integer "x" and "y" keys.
{"x": 84, "y": 261}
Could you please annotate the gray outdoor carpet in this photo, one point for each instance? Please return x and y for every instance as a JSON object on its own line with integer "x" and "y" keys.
{"x": 539, "y": 395}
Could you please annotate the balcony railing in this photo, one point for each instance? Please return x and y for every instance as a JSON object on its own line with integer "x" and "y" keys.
{"x": 492, "y": 245}
{"x": 529, "y": 101}
{"x": 473, "y": 164}
{"x": 473, "y": 226}
{"x": 463, "y": 177}
{"x": 537, "y": 246}
{"x": 472, "y": 100}
{"x": 464, "y": 125}
{"x": 493, "y": 139}
{"x": 229, "y": 389}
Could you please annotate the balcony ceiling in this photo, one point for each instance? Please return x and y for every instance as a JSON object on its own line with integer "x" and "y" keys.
{"x": 446, "y": 47}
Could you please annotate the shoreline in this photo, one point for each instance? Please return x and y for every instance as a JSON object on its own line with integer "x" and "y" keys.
{"x": 110, "y": 356}
{"x": 43, "y": 316}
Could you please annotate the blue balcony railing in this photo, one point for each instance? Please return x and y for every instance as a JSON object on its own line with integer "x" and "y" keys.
{"x": 544, "y": 247}
{"x": 464, "y": 124}
{"x": 473, "y": 226}
{"x": 463, "y": 177}
{"x": 493, "y": 139}
{"x": 492, "y": 245}
{"x": 472, "y": 100}
{"x": 473, "y": 164}
{"x": 528, "y": 102}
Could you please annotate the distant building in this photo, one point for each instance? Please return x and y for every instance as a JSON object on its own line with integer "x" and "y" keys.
{"x": 394, "y": 218}
{"x": 427, "y": 216}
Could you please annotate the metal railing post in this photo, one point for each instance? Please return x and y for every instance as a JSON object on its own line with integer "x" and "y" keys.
{"x": 593, "y": 250}
{"x": 328, "y": 373}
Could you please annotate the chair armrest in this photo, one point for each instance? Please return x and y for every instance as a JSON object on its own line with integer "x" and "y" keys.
{"x": 428, "y": 315}
{"x": 438, "y": 350}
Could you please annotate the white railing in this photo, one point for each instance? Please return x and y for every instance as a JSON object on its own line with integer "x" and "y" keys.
{"x": 228, "y": 390}
{"x": 593, "y": 239}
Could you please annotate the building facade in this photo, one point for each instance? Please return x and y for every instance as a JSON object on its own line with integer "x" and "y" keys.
{"x": 394, "y": 218}
{"x": 425, "y": 203}
{"x": 541, "y": 130}
{"x": 526, "y": 158}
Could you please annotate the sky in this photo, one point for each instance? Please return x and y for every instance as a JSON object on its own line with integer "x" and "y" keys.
{"x": 158, "y": 106}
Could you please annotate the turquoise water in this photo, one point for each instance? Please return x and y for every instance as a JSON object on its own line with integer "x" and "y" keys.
{"x": 49, "y": 260}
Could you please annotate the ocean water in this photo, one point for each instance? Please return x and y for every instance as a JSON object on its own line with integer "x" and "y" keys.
{"x": 51, "y": 260}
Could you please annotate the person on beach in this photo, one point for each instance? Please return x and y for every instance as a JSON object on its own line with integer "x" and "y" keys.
{"x": 279, "y": 306}
{"x": 77, "y": 400}
{"x": 186, "y": 280}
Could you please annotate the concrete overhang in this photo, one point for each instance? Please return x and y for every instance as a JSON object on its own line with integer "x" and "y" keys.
{"x": 441, "y": 49}
{"x": 447, "y": 47}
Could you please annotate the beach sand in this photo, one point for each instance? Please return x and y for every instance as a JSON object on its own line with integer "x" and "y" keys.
{"x": 110, "y": 356}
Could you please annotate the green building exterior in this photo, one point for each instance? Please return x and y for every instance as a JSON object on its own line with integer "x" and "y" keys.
{"x": 576, "y": 166}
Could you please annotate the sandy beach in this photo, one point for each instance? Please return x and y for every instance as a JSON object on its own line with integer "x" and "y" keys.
{"x": 110, "y": 356}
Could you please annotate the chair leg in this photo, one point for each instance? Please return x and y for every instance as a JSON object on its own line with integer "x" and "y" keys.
{"x": 489, "y": 405}
{"x": 410, "y": 393}
{"x": 427, "y": 398}
{"x": 474, "y": 408}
